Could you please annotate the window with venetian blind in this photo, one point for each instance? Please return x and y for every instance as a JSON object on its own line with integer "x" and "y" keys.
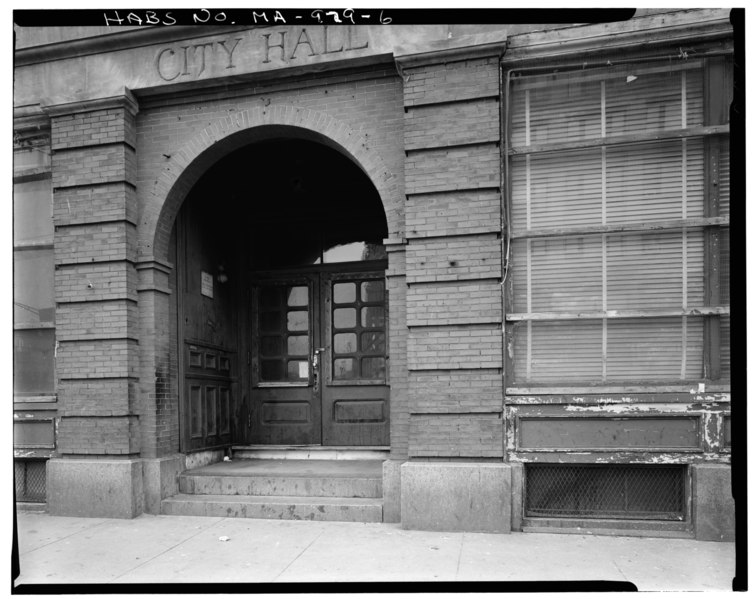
{"x": 33, "y": 270}
{"x": 619, "y": 203}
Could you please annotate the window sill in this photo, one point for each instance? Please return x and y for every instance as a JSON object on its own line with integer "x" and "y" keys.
{"x": 21, "y": 399}
{"x": 691, "y": 388}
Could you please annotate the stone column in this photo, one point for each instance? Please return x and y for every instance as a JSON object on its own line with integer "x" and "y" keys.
{"x": 97, "y": 471}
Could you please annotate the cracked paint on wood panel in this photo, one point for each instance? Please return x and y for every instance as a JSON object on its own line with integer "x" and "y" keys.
{"x": 606, "y": 398}
{"x": 623, "y": 457}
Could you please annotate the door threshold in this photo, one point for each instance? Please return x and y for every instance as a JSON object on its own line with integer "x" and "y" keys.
{"x": 310, "y": 452}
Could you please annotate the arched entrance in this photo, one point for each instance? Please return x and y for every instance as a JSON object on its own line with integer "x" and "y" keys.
{"x": 281, "y": 304}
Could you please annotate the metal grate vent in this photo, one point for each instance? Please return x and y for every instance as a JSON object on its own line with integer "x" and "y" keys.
{"x": 596, "y": 491}
{"x": 31, "y": 481}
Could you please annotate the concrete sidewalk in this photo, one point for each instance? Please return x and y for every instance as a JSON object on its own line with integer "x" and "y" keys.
{"x": 187, "y": 549}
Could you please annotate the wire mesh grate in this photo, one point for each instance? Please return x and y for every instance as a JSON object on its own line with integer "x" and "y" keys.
{"x": 31, "y": 481}
{"x": 596, "y": 491}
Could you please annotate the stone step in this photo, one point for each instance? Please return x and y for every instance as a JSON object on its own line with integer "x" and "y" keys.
{"x": 280, "y": 486}
{"x": 293, "y": 478}
{"x": 335, "y": 509}
{"x": 308, "y": 452}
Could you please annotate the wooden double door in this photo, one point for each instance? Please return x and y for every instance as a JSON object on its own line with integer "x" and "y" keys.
{"x": 319, "y": 358}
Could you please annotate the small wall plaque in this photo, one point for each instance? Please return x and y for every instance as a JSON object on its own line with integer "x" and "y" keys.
{"x": 207, "y": 280}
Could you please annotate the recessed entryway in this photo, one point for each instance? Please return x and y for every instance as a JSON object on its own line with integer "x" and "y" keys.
{"x": 283, "y": 311}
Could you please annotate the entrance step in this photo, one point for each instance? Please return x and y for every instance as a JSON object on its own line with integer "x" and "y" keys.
{"x": 295, "y": 478}
{"x": 309, "y": 452}
{"x": 288, "y": 489}
{"x": 338, "y": 509}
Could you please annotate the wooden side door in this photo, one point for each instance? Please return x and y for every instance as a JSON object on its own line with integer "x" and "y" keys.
{"x": 285, "y": 332}
{"x": 354, "y": 363}
{"x": 208, "y": 387}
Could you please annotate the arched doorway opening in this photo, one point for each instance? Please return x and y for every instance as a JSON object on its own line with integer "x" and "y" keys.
{"x": 281, "y": 305}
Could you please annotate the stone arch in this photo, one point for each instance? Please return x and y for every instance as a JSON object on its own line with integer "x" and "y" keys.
{"x": 235, "y": 130}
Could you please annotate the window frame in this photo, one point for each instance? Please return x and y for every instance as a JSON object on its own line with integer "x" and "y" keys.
{"x": 36, "y": 140}
{"x": 715, "y": 131}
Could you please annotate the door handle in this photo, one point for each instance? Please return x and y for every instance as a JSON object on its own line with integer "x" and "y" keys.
{"x": 315, "y": 357}
{"x": 315, "y": 366}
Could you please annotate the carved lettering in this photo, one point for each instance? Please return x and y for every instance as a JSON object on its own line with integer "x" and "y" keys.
{"x": 230, "y": 52}
{"x": 267, "y": 46}
{"x": 160, "y": 66}
{"x": 197, "y": 49}
{"x": 196, "y": 59}
{"x": 349, "y": 37}
{"x": 307, "y": 41}
{"x": 329, "y": 50}
{"x": 184, "y": 70}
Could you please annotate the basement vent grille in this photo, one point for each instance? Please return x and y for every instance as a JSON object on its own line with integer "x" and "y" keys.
{"x": 31, "y": 483}
{"x": 596, "y": 491}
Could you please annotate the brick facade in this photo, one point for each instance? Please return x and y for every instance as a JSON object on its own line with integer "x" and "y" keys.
{"x": 425, "y": 126}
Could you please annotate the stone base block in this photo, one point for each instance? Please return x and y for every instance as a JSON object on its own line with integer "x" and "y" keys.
{"x": 517, "y": 497}
{"x": 161, "y": 480}
{"x": 712, "y": 500}
{"x": 391, "y": 490}
{"x": 95, "y": 488}
{"x": 197, "y": 459}
{"x": 452, "y": 496}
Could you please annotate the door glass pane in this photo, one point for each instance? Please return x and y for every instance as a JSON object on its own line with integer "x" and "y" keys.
{"x": 298, "y": 321}
{"x": 365, "y": 321}
{"x": 373, "y": 342}
{"x": 344, "y": 369}
{"x": 345, "y": 343}
{"x": 298, "y": 296}
{"x": 344, "y": 293}
{"x": 269, "y": 297}
{"x": 271, "y": 346}
{"x": 269, "y": 321}
{"x": 372, "y": 317}
{"x": 298, "y": 370}
{"x": 271, "y": 370}
{"x": 344, "y": 318}
{"x": 33, "y": 362}
{"x": 372, "y": 291}
{"x": 373, "y": 368}
{"x": 298, "y": 345}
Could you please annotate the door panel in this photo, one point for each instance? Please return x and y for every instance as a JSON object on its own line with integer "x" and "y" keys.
{"x": 355, "y": 393}
{"x": 285, "y": 329}
{"x": 208, "y": 386}
{"x": 319, "y": 359}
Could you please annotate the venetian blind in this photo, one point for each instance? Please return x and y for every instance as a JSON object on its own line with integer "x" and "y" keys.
{"x": 724, "y": 271}
{"x": 592, "y": 150}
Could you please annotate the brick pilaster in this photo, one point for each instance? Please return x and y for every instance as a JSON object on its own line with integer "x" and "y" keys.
{"x": 454, "y": 250}
{"x": 94, "y": 175}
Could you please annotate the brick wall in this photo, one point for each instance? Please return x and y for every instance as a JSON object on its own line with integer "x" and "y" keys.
{"x": 454, "y": 259}
{"x": 94, "y": 172}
